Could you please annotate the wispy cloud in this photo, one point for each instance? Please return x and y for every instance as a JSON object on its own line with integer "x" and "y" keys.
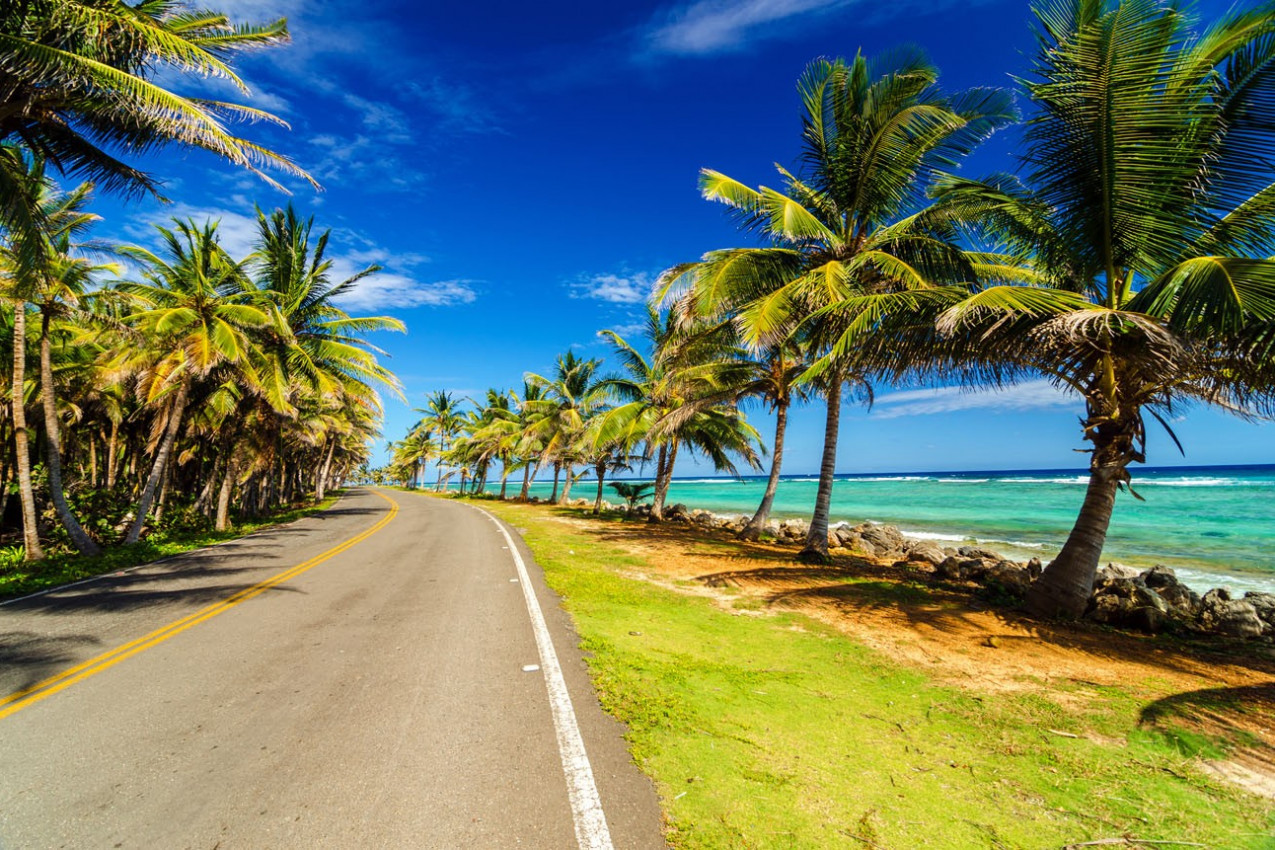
{"x": 455, "y": 106}
{"x": 394, "y": 288}
{"x": 623, "y": 288}
{"x": 1031, "y": 395}
{"x": 393, "y": 291}
{"x": 712, "y": 26}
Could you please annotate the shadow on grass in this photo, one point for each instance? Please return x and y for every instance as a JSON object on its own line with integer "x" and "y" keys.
{"x": 1232, "y": 722}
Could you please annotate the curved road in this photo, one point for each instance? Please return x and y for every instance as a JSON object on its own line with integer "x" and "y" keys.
{"x": 367, "y": 677}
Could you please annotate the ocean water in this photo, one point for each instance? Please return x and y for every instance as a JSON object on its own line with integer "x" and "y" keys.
{"x": 1214, "y": 525}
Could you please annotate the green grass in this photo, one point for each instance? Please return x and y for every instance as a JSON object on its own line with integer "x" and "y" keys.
{"x": 778, "y": 732}
{"x": 19, "y": 577}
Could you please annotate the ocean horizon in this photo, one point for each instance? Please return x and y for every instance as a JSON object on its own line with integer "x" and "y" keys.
{"x": 1214, "y": 525}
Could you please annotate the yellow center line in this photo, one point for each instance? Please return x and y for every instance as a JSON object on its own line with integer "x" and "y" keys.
{"x": 19, "y": 700}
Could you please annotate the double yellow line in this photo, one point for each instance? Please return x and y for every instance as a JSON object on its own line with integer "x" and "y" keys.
{"x": 19, "y": 700}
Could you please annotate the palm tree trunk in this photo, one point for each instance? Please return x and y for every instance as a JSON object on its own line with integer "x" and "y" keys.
{"x": 112, "y": 461}
{"x": 161, "y": 462}
{"x": 601, "y": 468}
{"x": 816, "y": 549}
{"x": 663, "y": 478}
{"x": 30, "y": 531}
{"x": 526, "y": 482}
{"x": 1063, "y": 588}
{"x": 757, "y": 524}
{"x": 163, "y": 494}
{"x": 557, "y": 471}
{"x": 223, "y": 496}
{"x": 566, "y": 485}
{"x": 504, "y": 478}
{"x": 322, "y": 484}
{"x": 53, "y": 448}
{"x": 92, "y": 461}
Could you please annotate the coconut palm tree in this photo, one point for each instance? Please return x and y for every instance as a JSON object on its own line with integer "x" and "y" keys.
{"x": 672, "y": 399}
{"x": 38, "y": 267}
{"x": 851, "y": 229}
{"x": 79, "y": 86}
{"x": 442, "y": 419}
{"x": 571, "y": 397}
{"x": 195, "y": 315}
{"x": 1143, "y": 228}
{"x": 529, "y": 446}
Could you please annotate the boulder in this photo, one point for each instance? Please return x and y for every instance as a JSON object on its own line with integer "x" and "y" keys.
{"x": 979, "y": 552}
{"x": 642, "y": 510}
{"x": 771, "y": 528}
{"x": 1183, "y": 602}
{"x": 1220, "y": 614}
{"x": 704, "y": 518}
{"x": 1264, "y": 605}
{"x": 1127, "y": 602}
{"x": 1008, "y": 577}
{"x": 925, "y": 552}
{"x": 956, "y": 568}
{"x": 880, "y": 540}
{"x": 1034, "y": 567}
{"x": 1115, "y": 571}
{"x": 794, "y": 530}
{"x": 846, "y": 537}
{"x": 677, "y": 513}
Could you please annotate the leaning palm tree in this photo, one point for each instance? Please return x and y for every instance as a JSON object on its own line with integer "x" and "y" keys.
{"x": 1144, "y": 229}
{"x": 194, "y": 313}
{"x": 851, "y": 227}
{"x": 771, "y": 375}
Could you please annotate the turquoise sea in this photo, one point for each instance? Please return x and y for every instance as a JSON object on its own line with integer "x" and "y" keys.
{"x": 1214, "y": 525}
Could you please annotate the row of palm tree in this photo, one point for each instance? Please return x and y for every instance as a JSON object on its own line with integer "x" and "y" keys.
{"x": 674, "y": 397}
{"x": 1128, "y": 261}
{"x": 237, "y": 377}
{"x": 201, "y": 380}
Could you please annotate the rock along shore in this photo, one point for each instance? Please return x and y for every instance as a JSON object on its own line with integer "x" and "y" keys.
{"x": 1148, "y": 600}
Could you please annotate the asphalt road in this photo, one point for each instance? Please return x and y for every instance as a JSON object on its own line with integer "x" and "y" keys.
{"x": 376, "y": 696}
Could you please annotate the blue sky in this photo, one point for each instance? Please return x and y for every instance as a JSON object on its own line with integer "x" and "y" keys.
{"x": 524, "y": 171}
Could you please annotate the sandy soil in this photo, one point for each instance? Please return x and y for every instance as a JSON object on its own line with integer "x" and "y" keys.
{"x": 958, "y": 639}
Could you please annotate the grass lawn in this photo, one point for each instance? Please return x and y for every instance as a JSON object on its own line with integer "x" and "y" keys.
{"x": 769, "y": 729}
{"x": 22, "y": 577}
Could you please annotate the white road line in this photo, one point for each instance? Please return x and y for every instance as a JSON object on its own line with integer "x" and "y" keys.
{"x": 586, "y": 805}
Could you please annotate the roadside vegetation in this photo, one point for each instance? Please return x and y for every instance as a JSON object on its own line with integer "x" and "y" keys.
{"x": 18, "y": 577}
{"x": 156, "y": 394}
{"x": 767, "y": 725}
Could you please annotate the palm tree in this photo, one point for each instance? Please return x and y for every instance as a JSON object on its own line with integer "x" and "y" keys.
{"x": 316, "y": 344}
{"x": 529, "y": 446}
{"x": 771, "y": 375}
{"x": 673, "y": 399}
{"x": 38, "y": 264}
{"x": 1143, "y": 227}
{"x": 852, "y": 231}
{"x": 79, "y": 82}
{"x": 442, "y": 418}
{"x": 195, "y": 315}
{"x": 571, "y": 398}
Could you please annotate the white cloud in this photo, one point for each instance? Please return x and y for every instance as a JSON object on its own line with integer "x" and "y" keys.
{"x": 711, "y": 26}
{"x": 391, "y": 289}
{"x": 623, "y": 288}
{"x": 1030, "y": 395}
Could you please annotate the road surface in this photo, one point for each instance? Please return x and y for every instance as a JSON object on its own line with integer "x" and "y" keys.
{"x": 366, "y": 677}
